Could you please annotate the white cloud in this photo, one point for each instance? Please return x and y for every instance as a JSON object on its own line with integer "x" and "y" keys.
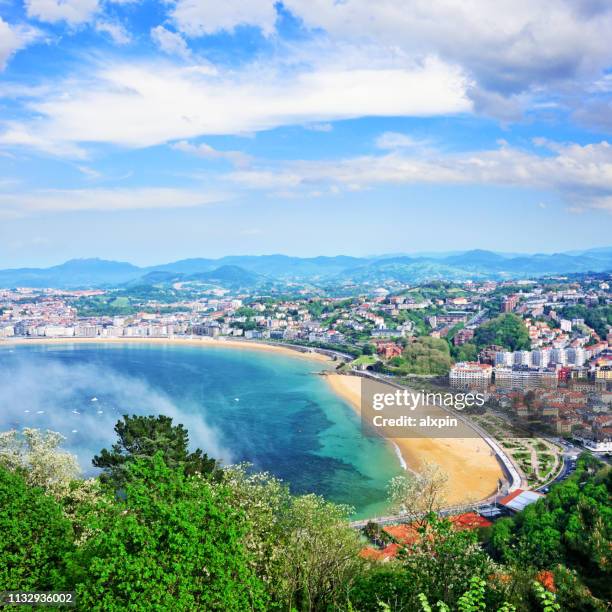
{"x": 237, "y": 158}
{"x": 9, "y": 42}
{"x": 141, "y": 105}
{"x": 18, "y": 135}
{"x": 13, "y": 38}
{"x": 90, "y": 173}
{"x": 109, "y": 200}
{"x": 170, "y": 42}
{"x": 508, "y": 45}
{"x": 116, "y": 31}
{"x": 73, "y": 12}
{"x": 512, "y": 49}
{"x": 396, "y": 140}
{"x": 582, "y": 174}
{"x": 202, "y": 17}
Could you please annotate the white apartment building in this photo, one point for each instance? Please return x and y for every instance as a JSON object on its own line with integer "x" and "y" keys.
{"x": 465, "y": 372}
{"x": 541, "y": 358}
{"x": 7, "y": 331}
{"x": 87, "y": 331}
{"x": 504, "y": 358}
{"x": 522, "y": 358}
{"x": 558, "y": 356}
{"x": 520, "y": 377}
{"x": 576, "y": 356}
{"x": 58, "y": 331}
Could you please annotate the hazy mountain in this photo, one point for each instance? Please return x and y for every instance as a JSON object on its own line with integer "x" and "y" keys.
{"x": 73, "y": 273}
{"x": 477, "y": 257}
{"x": 227, "y": 276}
{"x": 475, "y": 265}
{"x": 601, "y": 252}
{"x": 277, "y": 266}
{"x": 249, "y": 270}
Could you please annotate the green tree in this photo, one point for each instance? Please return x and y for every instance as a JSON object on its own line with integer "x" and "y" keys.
{"x": 369, "y": 349}
{"x": 171, "y": 542}
{"x": 465, "y": 352}
{"x": 383, "y": 585}
{"x": 141, "y": 437}
{"x": 320, "y": 553}
{"x": 302, "y": 546}
{"x": 507, "y": 330}
{"x": 444, "y": 560}
{"x": 35, "y": 537}
{"x": 424, "y": 356}
{"x": 572, "y": 526}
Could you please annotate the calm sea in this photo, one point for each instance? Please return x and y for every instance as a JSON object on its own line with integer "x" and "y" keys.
{"x": 239, "y": 405}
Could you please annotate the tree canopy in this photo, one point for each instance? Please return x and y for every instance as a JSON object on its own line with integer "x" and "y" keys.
{"x": 35, "y": 536}
{"x": 142, "y": 437}
{"x": 507, "y": 330}
{"x": 170, "y": 542}
{"x": 173, "y": 538}
{"x": 571, "y": 526}
{"x": 423, "y": 355}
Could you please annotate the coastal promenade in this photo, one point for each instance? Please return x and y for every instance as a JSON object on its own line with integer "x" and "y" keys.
{"x": 300, "y": 348}
{"x": 512, "y": 477}
{"x": 514, "y": 480}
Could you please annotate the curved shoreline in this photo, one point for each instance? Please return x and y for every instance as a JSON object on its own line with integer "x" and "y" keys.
{"x": 472, "y": 469}
{"x": 462, "y": 459}
{"x": 177, "y": 341}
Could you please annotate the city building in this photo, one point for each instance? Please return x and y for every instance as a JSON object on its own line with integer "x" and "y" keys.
{"x": 466, "y": 372}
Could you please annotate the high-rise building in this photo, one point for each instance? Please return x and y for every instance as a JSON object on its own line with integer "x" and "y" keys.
{"x": 558, "y": 356}
{"x": 576, "y": 356}
{"x": 541, "y": 358}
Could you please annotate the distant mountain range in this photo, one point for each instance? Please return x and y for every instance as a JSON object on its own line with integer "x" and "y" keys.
{"x": 252, "y": 270}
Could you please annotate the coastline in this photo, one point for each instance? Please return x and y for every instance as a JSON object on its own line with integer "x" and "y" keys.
{"x": 473, "y": 471}
{"x": 468, "y": 462}
{"x": 177, "y": 341}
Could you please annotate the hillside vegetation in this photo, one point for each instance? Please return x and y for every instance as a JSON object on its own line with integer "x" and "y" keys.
{"x": 165, "y": 528}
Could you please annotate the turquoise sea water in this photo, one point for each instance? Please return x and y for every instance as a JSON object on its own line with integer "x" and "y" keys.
{"x": 271, "y": 410}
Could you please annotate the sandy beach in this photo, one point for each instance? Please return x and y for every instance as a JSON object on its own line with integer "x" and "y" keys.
{"x": 472, "y": 469}
{"x": 181, "y": 341}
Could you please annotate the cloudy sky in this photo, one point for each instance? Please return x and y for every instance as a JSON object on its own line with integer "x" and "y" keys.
{"x": 151, "y": 131}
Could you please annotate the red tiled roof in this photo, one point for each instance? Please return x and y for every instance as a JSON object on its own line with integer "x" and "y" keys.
{"x": 470, "y": 520}
{"x": 390, "y": 551}
{"x": 370, "y": 554}
{"x": 373, "y": 554}
{"x": 409, "y": 534}
{"x": 406, "y": 534}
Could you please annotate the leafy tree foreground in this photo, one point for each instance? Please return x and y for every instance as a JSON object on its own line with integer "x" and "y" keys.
{"x": 164, "y": 528}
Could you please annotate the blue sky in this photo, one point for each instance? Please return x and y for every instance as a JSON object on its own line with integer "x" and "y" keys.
{"x": 152, "y": 131}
